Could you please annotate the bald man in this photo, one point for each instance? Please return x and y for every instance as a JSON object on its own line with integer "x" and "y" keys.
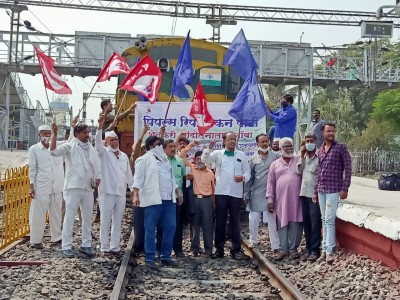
{"x": 112, "y": 192}
{"x": 46, "y": 175}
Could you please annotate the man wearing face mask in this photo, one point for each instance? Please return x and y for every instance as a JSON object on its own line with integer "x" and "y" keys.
{"x": 275, "y": 146}
{"x": 83, "y": 173}
{"x": 46, "y": 175}
{"x": 203, "y": 187}
{"x": 155, "y": 189}
{"x": 315, "y": 127}
{"x": 285, "y": 119}
{"x": 232, "y": 170}
{"x": 178, "y": 167}
{"x": 283, "y": 189}
{"x": 255, "y": 190}
{"x": 112, "y": 192}
{"x": 308, "y": 165}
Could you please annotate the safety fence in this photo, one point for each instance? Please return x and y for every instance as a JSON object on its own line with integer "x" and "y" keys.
{"x": 14, "y": 205}
{"x": 372, "y": 161}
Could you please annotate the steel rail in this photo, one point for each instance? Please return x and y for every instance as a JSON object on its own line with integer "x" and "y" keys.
{"x": 276, "y": 278}
{"x": 121, "y": 280}
{"x": 219, "y": 11}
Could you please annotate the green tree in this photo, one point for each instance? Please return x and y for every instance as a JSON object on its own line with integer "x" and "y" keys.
{"x": 386, "y": 107}
{"x": 377, "y": 135}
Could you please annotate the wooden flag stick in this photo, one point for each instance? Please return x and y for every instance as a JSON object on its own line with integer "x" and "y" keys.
{"x": 50, "y": 109}
{"x": 119, "y": 109}
{"x": 169, "y": 104}
{"x": 85, "y": 100}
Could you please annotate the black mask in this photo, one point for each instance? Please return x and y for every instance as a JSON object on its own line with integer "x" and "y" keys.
{"x": 284, "y": 104}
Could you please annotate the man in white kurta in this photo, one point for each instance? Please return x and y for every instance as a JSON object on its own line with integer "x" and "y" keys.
{"x": 117, "y": 176}
{"x": 82, "y": 172}
{"x": 46, "y": 175}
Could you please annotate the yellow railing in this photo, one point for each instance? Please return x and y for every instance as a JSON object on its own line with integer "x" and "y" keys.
{"x": 14, "y": 205}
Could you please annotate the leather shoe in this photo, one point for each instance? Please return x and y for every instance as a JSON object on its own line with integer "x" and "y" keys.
{"x": 281, "y": 255}
{"x": 151, "y": 265}
{"x": 179, "y": 254}
{"x": 169, "y": 263}
{"x": 38, "y": 246}
{"x": 313, "y": 257}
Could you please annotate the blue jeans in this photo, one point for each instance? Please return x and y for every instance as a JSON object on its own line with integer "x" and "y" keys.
{"x": 328, "y": 204}
{"x": 165, "y": 214}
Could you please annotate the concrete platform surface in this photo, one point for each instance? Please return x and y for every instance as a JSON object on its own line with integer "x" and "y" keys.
{"x": 16, "y": 158}
{"x": 371, "y": 208}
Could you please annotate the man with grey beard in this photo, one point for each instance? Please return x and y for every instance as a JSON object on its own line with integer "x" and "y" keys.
{"x": 283, "y": 190}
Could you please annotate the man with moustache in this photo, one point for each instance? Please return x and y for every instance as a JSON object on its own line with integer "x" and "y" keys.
{"x": 83, "y": 173}
{"x": 315, "y": 127}
{"x": 333, "y": 182}
{"x": 255, "y": 190}
{"x": 285, "y": 118}
{"x": 232, "y": 170}
{"x": 283, "y": 189}
{"x": 155, "y": 189}
{"x": 46, "y": 175}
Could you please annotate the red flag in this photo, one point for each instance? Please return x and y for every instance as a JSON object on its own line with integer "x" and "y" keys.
{"x": 144, "y": 79}
{"x": 199, "y": 111}
{"x": 52, "y": 80}
{"x": 115, "y": 65}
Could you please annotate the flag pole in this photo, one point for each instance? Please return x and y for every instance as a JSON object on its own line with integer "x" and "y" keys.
{"x": 119, "y": 109}
{"x": 85, "y": 100}
{"x": 169, "y": 104}
{"x": 50, "y": 109}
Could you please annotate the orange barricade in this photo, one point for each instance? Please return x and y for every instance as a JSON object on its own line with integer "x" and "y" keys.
{"x": 14, "y": 205}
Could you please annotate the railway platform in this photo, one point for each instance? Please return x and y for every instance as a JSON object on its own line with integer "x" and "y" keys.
{"x": 368, "y": 222}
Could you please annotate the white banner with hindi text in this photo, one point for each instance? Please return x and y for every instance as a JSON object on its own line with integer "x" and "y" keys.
{"x": 178, "y": 120}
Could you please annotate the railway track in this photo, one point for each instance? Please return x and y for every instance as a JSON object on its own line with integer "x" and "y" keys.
{"x": 203, "y": 278}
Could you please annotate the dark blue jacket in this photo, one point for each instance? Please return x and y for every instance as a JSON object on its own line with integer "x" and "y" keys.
{"x": 285, "y": 120}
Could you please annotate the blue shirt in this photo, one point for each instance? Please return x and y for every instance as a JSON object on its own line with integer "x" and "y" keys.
{"x": 285, "y": 121}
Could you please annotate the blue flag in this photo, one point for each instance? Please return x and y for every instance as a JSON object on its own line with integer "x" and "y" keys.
{"x": 239, "y": 56}
{"x": 249, "y": 105}
{"x": 183, "y": 73}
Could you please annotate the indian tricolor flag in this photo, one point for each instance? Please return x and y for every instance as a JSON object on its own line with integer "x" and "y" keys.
{"x": 210, "y": 77}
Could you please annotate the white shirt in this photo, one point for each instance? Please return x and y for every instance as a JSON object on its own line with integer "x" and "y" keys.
{"x": 226, "y": 168}
{"x": 72, "y": 179}
{"x": 116, "y": 171}
{"x": 165, "y": 175}
{"x": 46, "y": 173}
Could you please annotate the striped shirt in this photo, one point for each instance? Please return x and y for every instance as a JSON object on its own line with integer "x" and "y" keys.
{"x": 334, "y": 169}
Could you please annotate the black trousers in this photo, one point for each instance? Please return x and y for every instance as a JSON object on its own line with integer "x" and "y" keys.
{"x": 223, "y": 205}
{"x": 312, "y": 224}
{"x": 138, "y": 228}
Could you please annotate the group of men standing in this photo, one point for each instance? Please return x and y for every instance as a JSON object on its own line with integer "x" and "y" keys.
{"x": 294, "y": 192}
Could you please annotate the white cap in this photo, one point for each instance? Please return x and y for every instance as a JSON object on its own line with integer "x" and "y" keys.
{"x": 44, "y": 127}
{"x": 276, "y": 140}
{"x": 111, "y": 134}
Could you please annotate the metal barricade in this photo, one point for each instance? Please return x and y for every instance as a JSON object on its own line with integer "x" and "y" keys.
{"x": 14, "y": 205}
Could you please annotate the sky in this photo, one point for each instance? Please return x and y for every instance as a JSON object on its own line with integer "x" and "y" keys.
{"x": 67, "y": 21}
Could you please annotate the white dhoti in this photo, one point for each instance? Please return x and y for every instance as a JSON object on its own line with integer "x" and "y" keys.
{"x": 112, "y": 208}
{"x": 83, "y": 199}
{"x": 37, "y": 217}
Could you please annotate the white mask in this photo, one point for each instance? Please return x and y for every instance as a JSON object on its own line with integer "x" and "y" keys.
{"x": 158, "y": 151}
{"x": 263, "y": 150}
{"x": 112, "y": 149}
{"x": 44, "y": 139}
